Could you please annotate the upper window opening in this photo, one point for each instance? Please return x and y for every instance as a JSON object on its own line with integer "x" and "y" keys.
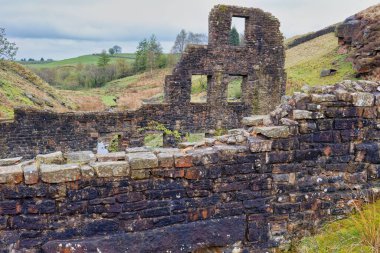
{"x": 237, "y": 32}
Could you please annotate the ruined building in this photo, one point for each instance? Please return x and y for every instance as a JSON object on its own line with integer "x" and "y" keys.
{"x": 279, "y": 176}
{"x": 259, "y": 63}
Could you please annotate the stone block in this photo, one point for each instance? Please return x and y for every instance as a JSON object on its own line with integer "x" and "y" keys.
{"x": 136, "y": 150}
{"x": 60, "y": 173}
{"x": 111, "y": 169}
{"x": 165, "y": 150}
{"x": 256, "y": 120}
{"x": 343, "y": 95}
{"x": 288, "y": 122}
{"x": 11, "y": 174}
{"x": 52, "y": 158}
{"x": 165, "y": 160}
{"x": 318, "y": 98}
{"x": 10, "y": 207}
{"x": 209, "y": 141}
{"x": 139, "y": 174}
{"x": 279, "y": 157}
{"x": 307, "y": 127}
{"x": 10, "y": 161}
{"x": 80, "y": 157}
{"x": 142, "y": 160}
{"x": 31, "y": 174}
{"x": 111, "y": 157}
{"x": 203, "y": 156}
{"x": 313, "y": 107}
{"x": 363, "y": 99}
{"x": 228, "y": 150}
{"x": 280, "y": 177}
{"x": 259, "y": 145}
{"x": 183, "y": 160}
{"x": 87, "y": 172}
{"x": 273, "y": 131}
{"x": 188, "y": 144}
{"x": 303, "y": 114}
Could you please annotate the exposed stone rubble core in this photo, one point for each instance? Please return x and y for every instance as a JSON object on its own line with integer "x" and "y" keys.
{"x": 272, "y": 186}
{"x": 361, "y": 33}
{"x": 259, "y": 62}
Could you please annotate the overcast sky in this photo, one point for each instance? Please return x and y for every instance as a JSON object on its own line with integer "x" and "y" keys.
{"x": 66, "y": 28}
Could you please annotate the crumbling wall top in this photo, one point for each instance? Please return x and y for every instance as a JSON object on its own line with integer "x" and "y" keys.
{"x": 257, "y": 23}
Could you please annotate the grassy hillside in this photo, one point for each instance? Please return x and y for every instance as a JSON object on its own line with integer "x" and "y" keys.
{"x": 84, "y": 59}
{"x": 21, "y": 87}
{"x": 304, "y": 63}
{"x": 124, "y": 93}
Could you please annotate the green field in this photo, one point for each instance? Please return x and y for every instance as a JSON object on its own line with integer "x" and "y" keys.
{"x": 84, "y": 59}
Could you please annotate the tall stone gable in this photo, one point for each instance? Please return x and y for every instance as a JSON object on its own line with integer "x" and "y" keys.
{"x": 260, "y": 61}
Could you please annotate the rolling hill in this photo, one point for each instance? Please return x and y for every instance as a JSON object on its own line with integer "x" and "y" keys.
{"x": 19, "y": 86}
{"x": 84, "y": 59}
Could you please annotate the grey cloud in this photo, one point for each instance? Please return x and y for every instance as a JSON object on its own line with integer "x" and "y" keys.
{"x": 130, "y": 20}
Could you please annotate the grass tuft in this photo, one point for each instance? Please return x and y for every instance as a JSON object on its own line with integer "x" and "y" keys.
{"x": 358, "y": 233}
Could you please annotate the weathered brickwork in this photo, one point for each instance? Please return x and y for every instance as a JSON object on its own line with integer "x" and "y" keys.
{"x": 254, "y": 188}
{"x": 260, "y": 62}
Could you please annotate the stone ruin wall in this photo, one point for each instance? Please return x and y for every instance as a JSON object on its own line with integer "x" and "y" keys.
{"x": 260, "y": 62}
{"x": 288, "y": 172}
{"x": 256, "y": 188}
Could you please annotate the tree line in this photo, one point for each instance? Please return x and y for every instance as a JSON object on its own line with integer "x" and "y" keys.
{"x": 148, "y": 57}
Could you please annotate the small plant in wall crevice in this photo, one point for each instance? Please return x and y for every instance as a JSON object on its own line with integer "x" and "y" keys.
{"x": 156, "y": 126}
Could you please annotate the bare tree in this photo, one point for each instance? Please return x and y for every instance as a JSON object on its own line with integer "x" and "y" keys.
{"x": 184, "y": 38}
{"x": 180, "y": 42}
{"x": 8, "y": 50}
{"x": 196, "y": 38}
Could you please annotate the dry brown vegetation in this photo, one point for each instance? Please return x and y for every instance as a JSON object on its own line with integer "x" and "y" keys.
{"x": 129, "y": 92}
{"x": 145, "y": 87}
{"x": 372, "y": 13}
